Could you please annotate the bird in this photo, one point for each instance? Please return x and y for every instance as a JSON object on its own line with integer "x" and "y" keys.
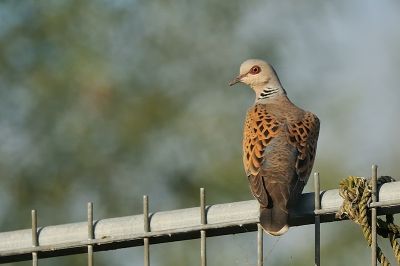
{"x": 279, "y": 145}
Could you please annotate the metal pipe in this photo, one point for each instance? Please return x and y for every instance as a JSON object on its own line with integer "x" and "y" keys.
{"x": 34, "y": 229}
{"x": 168, "y": 226}
{"x": 203, "y": 221}
{"x": 34, "y": 237}
{"x": 203, "y": 249}
{"x": 90, "y": 255}
{"x": 90, "y": 220}
{"x": 90, "y": 233}
{"x": 260, "y": 255}
{"x": 34, "y": 259}
{"x": 373, "y": 215}
{"x": 146, "y": 227}
{"x": 317, "y": 204}
{"x": 203, "y": 206}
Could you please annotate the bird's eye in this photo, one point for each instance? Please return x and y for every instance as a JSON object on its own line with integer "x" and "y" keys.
{"x": 255, "y": 70}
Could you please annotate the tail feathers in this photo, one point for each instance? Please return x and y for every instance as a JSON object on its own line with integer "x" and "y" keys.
{"x": 274, "y": 221}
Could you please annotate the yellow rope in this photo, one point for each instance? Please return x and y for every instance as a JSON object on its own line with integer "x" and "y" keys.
{"x": 356, "y": 192}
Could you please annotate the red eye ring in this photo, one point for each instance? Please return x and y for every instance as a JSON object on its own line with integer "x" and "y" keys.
{"x": 255, "y": 70}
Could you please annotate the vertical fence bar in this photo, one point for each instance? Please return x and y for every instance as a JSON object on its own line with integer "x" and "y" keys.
{"x": 90, "y": 232}
{"x": 90, "y": 255}
{"x": 34, "y": 259}
{"x": 203, "y": 232}
{"x": 146, "y": 227}
{"x": 35, "y": 241}
{"x": 373, "y": 214}
{"x": 260, "y": 256}
{"x": 317, "y": 206}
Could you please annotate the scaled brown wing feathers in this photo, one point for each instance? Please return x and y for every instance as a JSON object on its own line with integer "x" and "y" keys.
{"x": 260, "y": 129}
{"x": 304, "y": 136}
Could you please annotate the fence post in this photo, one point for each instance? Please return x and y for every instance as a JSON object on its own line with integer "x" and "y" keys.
{"x": 317, "y": 225}
{"x": 146, "y": 230}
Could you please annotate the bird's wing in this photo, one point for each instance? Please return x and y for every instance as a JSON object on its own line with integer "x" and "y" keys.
{"x": 304, "y": 136}
{"x": 260, "y": 129}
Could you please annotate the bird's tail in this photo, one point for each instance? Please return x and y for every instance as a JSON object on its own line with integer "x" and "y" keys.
{"x": 274, "y": 221}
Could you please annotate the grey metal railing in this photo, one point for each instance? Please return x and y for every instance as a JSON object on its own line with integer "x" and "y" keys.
{"x": 160, "y": 227}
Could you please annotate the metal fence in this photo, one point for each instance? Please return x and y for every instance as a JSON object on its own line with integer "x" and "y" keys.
{"x": 176, "y": 225}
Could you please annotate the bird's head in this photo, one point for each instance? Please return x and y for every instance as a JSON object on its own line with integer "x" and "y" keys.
{"x": 260, "y": 76}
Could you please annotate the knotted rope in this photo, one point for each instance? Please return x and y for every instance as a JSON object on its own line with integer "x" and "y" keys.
{"x": 356, "y": 192}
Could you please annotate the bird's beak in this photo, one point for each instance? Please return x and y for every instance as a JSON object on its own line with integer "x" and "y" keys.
{"x": 236, "y": 80}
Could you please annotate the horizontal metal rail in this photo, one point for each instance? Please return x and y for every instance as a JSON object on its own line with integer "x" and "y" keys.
{"x": 175, "y": 225}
